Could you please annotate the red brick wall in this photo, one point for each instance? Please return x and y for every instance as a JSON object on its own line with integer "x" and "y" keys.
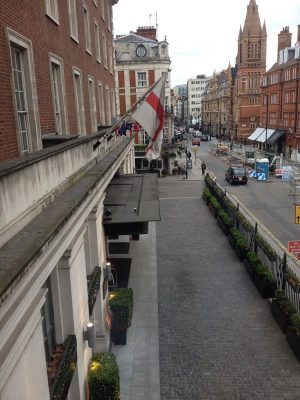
{"x": 151, "y": 77}
{"x": 28, "y": 18}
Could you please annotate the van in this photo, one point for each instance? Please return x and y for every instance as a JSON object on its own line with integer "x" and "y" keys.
{"x": 236, "y": 174}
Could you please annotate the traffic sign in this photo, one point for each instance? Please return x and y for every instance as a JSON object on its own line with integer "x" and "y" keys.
{"x": 297, "y": 213}
{"x": 294, "y": 246}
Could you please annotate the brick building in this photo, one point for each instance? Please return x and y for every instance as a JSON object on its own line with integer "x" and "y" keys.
{"x": 233, "y": 98}
{"x": 57, "y": 71}
{"x": 280, "y": 107}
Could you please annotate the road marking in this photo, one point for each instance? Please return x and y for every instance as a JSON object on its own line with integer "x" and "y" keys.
{"x": 174, "y": 198}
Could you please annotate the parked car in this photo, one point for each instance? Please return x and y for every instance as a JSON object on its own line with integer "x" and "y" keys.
{"x": 236, "y": 174}
{"x": 196, "y": 142}
{"x": 204, "y": 138}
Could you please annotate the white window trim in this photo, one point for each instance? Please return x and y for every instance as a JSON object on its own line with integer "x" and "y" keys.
{"x": 97, "y": 41}
{"x": 104, "y": 50}
{"x": 52, "y": 14}
{"x": 87, "y": 29}
{"x": 95, "y": 3}
{"x": 80, "y": 114}
{"x": 14, "y": 38}
{"x": 92, "y": 101}
{"x": 53, "y": 58}
{"x": 101, "y": 103}
{"x": 72, "y": 10}
{"x": 108, "y": 105}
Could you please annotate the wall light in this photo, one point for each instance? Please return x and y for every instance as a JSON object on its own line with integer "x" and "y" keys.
{"x": 90, "y": 334}
{"x": 107, "y": 272}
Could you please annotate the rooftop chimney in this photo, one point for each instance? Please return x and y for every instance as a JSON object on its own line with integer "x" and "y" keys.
{"x": 148, "y": 32}
{"x": 284, "y": 40}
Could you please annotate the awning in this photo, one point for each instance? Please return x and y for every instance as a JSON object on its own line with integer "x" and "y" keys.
{"x": 131, "y": 202}
{"x": 275, "y": 136}
{"x": 263, "y": 134}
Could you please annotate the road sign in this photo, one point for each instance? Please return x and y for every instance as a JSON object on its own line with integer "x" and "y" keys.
{"x": 297, "y": 213}
{"x": 294, "y": 246}
{"x": 261, "y": 176}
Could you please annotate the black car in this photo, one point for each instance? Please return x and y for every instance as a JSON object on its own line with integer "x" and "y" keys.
{"x": 204, "y": 138}
{"x": 236, "y": 174}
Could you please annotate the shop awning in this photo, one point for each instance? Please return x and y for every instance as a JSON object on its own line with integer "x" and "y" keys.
{"x": 275, "y": 136}
{"x": 131, "y": 202}
{"x": 261, "y": 134}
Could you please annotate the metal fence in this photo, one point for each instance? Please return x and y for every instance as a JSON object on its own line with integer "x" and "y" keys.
{"x": 282, "y": 261}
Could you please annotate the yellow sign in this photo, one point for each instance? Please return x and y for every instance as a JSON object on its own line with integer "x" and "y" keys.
{"x": 297, "y": 213}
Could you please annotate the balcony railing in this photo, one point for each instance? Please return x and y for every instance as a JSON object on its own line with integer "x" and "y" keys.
{"x": 93, "y": 288}
{"x": 60, "y": 384}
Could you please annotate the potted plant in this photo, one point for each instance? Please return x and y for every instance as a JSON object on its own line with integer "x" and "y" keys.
{"x": 121, "y": 306}
{"x": 266, "y": 248}
{"x": 241, "y": 247}
{"x": 206, "y": 195}
{"x": 282, "y": 310}
{"x": 293, "y": 335}
{"x": 103, "y": 377}
{"x": 251, "y": 261}
{"x": 293, "y": 280}
{"x": 233, "y": 235}
{"x": 264, "y": 282}
{"x": 214, "y": 206}
{"x": 224, "y": 221}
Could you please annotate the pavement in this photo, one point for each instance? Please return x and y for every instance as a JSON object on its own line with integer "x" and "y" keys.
{"x": 200, "y": 330}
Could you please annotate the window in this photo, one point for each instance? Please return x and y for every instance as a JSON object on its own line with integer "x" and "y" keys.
{"x": 273, "y": 98}
{"x": 79, "y": 102}
{"x": 48, "y": 321}
{"x": 52, "y": 9}
{"x": 113, "y": 103}
{"x": 142, "y": 79}
{"x": 286, "y": 97}
{"x": 108, "y": 110}
{"x": 73, "y": 19}
{"x": 92, "y": 101}
{"x": 87, "y": 32}
{"x": 273, "y": 120}
{"x": 287, "y": 74}
{"x": 58, "y": 94}
{"x": 293, "y": 96}
{"x": 24, "y": 91}
{"x": 97, "y": 43}
{"x": 101, "y": 104}
{"x": 102, "y": 9}
{"x": 104, "y": 47}
{"x": 285, "y": 119}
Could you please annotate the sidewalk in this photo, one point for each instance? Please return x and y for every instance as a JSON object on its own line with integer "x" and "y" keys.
{"x": 200, "y": 330}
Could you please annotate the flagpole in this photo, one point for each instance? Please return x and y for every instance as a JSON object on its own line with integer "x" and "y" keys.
{"x": 116, "y": 124}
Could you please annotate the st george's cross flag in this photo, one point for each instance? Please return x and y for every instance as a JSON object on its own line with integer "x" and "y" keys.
{"x": 150, "y": 115}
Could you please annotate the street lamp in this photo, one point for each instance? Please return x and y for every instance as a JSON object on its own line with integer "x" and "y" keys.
{"x": 236, "y": 135}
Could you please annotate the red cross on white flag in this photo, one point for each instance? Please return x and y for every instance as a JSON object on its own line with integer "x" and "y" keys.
{"x": 150, "y": 115}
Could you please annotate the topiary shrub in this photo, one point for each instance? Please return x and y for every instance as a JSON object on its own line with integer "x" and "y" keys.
{"x": 103, "y": 377}
{"x": 121, "y": 305}
{"x": 266, "y": 248}
{"x": 222, "y": 214}
{"x": 244, "y": 221}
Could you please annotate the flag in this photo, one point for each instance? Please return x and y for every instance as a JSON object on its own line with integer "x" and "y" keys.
{"x": 150, "y": 115}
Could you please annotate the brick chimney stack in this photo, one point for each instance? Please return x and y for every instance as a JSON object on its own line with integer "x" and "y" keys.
{"x": 148, "y": 32}
{"x": 284, "y": 40}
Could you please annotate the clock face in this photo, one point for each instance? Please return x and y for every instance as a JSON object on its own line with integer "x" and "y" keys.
{"x": 141, "y": 51}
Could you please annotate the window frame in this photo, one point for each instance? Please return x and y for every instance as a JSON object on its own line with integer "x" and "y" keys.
{"x": 139, "y": 80}
{"x": 87, "y": 29}
{"x": 72, "y": 8}
{"x": 79, "y": 101}
{"x": 51, "y": 10}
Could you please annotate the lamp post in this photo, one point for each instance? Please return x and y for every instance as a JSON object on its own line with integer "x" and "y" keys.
{"x": 236, "y": 135}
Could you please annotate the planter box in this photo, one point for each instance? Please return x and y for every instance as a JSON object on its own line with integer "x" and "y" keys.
{"x": 223, "y": 226}
{"x": 281, "y": 318}
{"x": 231, "y": 241}
{"x": 206, "y": 200}
{"x": 265, "y": 290}
{"x": 293, "y": 340}
{"x": 241, "y": 253}
{"x": 249, "y": 269}
{"x": 295, "y": 289}
{"x": 118, "y": 336}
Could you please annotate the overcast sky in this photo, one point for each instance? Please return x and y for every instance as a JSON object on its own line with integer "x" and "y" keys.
{"x": 202, "y": 35}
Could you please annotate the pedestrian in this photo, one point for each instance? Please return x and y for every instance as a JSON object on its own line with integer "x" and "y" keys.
{"x": 203, "y": 167}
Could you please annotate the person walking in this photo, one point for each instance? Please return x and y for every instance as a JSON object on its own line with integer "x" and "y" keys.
{"x": 203, "y": 167}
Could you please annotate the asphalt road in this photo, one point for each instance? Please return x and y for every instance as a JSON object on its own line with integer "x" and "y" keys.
{"x": 268, "y": 200}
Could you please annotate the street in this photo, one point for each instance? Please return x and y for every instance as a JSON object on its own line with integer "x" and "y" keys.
{"x": 268, "y": 200}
